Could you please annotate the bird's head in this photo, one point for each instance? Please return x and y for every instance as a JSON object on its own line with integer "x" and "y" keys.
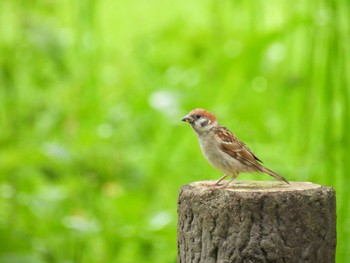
{"x": 200, "y": 120}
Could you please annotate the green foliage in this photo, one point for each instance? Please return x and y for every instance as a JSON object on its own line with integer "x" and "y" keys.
{"x": 92, "y": 92}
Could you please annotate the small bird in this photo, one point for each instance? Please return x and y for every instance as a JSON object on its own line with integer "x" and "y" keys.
{"x": 223, "y": 149}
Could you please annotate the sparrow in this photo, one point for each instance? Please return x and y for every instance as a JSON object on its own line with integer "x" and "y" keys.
{"x": 223, "y": 149}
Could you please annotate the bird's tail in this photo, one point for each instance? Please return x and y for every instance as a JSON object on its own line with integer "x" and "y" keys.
{"x": 273, "y": 174}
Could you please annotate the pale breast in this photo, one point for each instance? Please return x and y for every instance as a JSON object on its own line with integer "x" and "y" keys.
{"x": 217, "y": 158}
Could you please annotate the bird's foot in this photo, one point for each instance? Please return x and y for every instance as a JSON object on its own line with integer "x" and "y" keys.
{"x": 220, "y": 186}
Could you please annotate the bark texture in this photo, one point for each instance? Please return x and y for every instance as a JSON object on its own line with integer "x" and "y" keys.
{"x": 256, "y": 222}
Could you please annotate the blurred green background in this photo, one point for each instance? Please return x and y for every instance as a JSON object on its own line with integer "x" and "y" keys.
{"x": 92, "y": 149}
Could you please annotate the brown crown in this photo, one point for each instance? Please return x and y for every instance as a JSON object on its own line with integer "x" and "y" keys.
{"x": 204, "y": 113}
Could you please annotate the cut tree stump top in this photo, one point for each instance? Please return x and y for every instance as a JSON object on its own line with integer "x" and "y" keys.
{"x": 256, "y": 186}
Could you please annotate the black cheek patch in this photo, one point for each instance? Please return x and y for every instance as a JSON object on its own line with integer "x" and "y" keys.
{"x": 204, "y": 123}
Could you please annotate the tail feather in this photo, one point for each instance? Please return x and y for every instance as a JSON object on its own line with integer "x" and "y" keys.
{"x": 273, "y": 174}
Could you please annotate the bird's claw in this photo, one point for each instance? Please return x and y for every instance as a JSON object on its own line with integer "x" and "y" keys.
{"x": 220, "y": 186}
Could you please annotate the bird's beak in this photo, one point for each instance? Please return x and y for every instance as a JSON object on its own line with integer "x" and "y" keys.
{"x": 188, "y": 119}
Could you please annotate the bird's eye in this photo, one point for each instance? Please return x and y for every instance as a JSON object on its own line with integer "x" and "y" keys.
{"x": 197, "y": 116}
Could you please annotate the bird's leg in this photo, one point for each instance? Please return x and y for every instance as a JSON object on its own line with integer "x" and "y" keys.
{"x": 234, "y": 176}
{"x": 220, "y": 179}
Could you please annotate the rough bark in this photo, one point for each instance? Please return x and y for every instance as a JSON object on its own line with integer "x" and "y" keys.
{"x": 256, "y": 222}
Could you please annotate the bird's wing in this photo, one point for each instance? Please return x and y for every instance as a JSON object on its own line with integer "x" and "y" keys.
{"x": 232, "y": 146}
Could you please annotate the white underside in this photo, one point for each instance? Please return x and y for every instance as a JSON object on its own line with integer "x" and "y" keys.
{"x": 221, "y": 160}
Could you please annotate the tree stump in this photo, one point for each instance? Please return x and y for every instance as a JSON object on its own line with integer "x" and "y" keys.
{"x": 256, "y": 222}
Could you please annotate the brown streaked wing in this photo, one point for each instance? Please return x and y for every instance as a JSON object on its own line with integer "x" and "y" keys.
{"x": 227, "y": 136}
{"x": 234, "y": 147}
